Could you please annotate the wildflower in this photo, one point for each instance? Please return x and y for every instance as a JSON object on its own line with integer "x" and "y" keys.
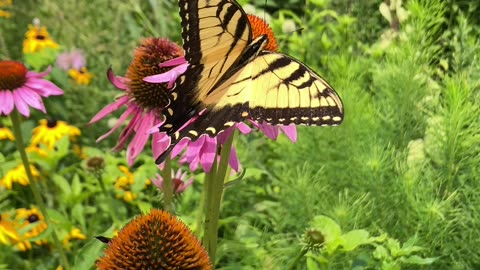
{"x": 6, "y": 133}
{"x": 180, "y": 182}
{"x": 81, "y": 76}
{"x": 74, "y": 59}
{"x": 95, "y": 164}
{"x": 27, "y": 218}
{"x": 155, "y": 241}
{"x": 18, "y": 175}
{"x": 203, "y": 150}
{"x": 38, "y": 149}
{"x": 21, "y": 89}
{"x": 143, "y": 101}
{"x": 123, "y": 184}
{"x": 37, "y": 39}
{"x": 5, "y": 3}
{"x": 8, "y": 233}
{"x": 75, "y": 233}
{"x": 49, "y": 132}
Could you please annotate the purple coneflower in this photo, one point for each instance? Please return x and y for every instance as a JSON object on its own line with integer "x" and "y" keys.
{"x": 143, "y": 100}
{"x": 179, "y": 179}
{"x": 22, "y": 89}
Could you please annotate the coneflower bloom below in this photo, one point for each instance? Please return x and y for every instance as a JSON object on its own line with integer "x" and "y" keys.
{"x": 144, "y": 101}
{"x": 75, "y": 63}
{"x": 179, "y": 179}
{"x": 156, "y": 240}
{"x": 22, "y": 89}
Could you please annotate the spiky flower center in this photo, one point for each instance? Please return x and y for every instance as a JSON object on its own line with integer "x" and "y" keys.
{"x": 33, "y": 218}
{"x": 51, "y": 123}
{"x": 12, "y": 75}
{"x": 155, "y": 241}
{"x": 146, "y": 60}
{"x": 260, "y": 27}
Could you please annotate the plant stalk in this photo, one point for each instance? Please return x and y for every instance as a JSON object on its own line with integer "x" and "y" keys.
{"x": 216, "y": 180}
{"x": 34, "y": 187}
{"x": 167, "y": 186}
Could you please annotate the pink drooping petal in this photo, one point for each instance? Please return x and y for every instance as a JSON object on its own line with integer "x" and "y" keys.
{"x": 140, "y": 139}
{"x": 41, "y": 75}
{"x": 233, "y": 161}
{"x": 270, "y": 131}
{"x": 184, "y": 185}
{"x": 43, "y": 87}
{"x": 120, "y": 121}
{"x": 208, "y": 153}
{"x": 160, "y": 143}
{"x": 169, "y": 76}
{"x": 243, "y": 128}
{"x": 223, "y": 136}
{"x": 179, "y": 147}
{"x": 31, "y": 98}
{"x": 174, "y": 62}
{"x": 118, "y": 82}
{"x": 109, "y": 109}
{"x": 6, "y": 102}
{"x": 20, "y": 104}
{"x": 290, "y": 131}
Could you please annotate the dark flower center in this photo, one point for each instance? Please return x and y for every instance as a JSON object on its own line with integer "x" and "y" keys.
{"x": 40, "y": 37}
{"x": 147, "y": 57}
{"x": 33, "y": 218}
{"x": 13, "y": 75}
{"x": 51, "y": 123}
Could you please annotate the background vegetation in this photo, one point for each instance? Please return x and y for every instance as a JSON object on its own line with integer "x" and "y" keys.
{"x": 401, "y": 172}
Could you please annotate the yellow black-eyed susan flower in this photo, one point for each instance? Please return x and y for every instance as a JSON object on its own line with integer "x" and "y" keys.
{"x": 37, "y": 38}
{"x": 75, "y": 233}
{"x": 155, "y": 241}
{"x": 5, "y": 4}
{"x": 8, "y": 233}
{"x": 81, "y": 76}
{"x": 6, "y": 133}
{"x": 32, "y": 224}
{"x": 49, "y": 132}
{"x": 123, "y": 184}
{"x": 18, "y": 175}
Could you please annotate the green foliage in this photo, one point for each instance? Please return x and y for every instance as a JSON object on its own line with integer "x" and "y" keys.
{"x": 394, "y": 187}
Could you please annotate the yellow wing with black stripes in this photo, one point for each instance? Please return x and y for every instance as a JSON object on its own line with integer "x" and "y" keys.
{"x": 232, "y": 78}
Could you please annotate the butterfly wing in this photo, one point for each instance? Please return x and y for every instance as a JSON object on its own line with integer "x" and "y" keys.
{"x": 215, "y": 34}
{"x": 273, "y": 88}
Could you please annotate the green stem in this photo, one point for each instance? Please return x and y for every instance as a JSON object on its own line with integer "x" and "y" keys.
{"x": 214, "y": 194}
{"x": 167, "y": 186}
{"x": 201, "y": 207}
{"x": 297, "y": 258}
{"x": 34, "y": 187}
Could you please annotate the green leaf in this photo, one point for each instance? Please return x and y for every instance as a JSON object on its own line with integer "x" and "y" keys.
{"x": 88, "y": 254}
{"x": 415, "y": 259}
{"x": 62, "y": 184}
{"x": 381, "y": 253}
{"x": 352, "y": 239}
{"x": 76, "y": 185}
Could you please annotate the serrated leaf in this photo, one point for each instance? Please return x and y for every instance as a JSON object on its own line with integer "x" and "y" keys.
{"x": 85, "y": 258}
{"x": 62, "y": 184}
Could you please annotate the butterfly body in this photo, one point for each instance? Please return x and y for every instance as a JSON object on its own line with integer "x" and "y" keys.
{"x": 232, "y": 77}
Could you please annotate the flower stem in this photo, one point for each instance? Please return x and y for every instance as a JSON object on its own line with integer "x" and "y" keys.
{"x": 297, "y": 258}
{"x": 34, "y": 187}
{"x": 213, "y": 198}
{"x": 167, "y": 186}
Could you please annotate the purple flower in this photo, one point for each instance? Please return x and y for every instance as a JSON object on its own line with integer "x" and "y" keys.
{"x": 22, "y": 89}
{"x": 74, "y": 59}
{"x": 180, "y": 181}
{"x": 144, "y": 101}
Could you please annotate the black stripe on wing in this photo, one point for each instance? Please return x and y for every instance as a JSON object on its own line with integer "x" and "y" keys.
{"x": 211, "y": 123}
